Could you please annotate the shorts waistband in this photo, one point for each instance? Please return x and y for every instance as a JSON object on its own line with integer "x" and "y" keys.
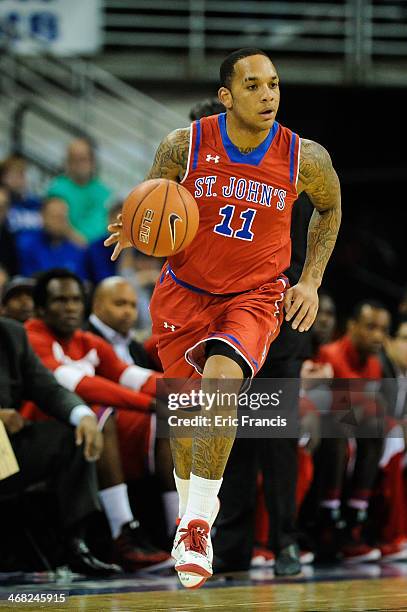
{"x": 190, "y": 287}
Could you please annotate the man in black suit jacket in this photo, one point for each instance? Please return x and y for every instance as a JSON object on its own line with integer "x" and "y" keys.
{"x": 50, "y": 450}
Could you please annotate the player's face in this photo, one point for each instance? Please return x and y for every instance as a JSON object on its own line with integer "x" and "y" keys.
{"x": 370, "y": 330}
{"x": 325, "y": 321}
{"x": 119, "y": 309}
{"x": 64, "y": 309}
{"x": 254, "y": 93}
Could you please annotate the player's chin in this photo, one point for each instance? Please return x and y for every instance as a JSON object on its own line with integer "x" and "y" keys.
{"x": 266, "y": 119}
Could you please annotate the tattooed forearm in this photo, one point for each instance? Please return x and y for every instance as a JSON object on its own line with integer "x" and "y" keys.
{"x": 171, "y": 158}
{"x": 322, "y": 232}
{"x": 320, "y": 181}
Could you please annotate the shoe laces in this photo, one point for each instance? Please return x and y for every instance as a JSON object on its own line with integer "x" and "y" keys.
{"x": 194, "y": 537}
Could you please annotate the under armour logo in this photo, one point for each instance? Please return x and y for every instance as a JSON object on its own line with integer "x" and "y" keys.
{"x": 215, "y": 159}
{"x": 168, "y": 326}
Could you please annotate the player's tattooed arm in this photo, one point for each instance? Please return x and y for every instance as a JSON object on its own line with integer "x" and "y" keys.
{"x": 171, "y": 160}
{"x": 319, "y": 180}
{"x": 171, "y": 157}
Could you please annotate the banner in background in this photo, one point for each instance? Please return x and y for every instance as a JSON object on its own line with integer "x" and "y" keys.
{"x": 63, "y": 27}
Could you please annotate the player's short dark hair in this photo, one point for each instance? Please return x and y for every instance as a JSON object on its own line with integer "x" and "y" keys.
{"x": 227, "y": 68}
{"x": 206, "y": 108}
{"x": 40, "y": 293}
{"x": 357, "y": 309}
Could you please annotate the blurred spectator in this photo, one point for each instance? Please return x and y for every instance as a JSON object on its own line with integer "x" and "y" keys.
{"x": 114, "y": 314}
{"x": 87, "y": 364}
{"x": 4, "y": 276}
{"x": 113, "y": 317}
{"x": 355, "y": 357}
{"x": 98, "y": 263}
{"x": 394, "y": 362}
{"x": 208, "y": 107}
{"x": 403, "y": 303}
{"x": 45, "y": 248}
{"x": 324, "y": 325}
{"x": 17, "y": 301}
{"x": 86, "y": 195}
{"x": 24, "y": 213}
{"x": 8, "y": 250}
{"x": 51, "y": 451}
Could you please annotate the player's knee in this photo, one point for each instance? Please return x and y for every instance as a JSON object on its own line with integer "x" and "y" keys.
{"x": 219, "y": 367}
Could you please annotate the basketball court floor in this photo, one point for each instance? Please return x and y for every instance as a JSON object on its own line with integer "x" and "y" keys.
{"x": 367, "y": 588}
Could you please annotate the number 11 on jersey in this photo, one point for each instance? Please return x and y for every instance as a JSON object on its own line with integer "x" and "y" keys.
{"x": 224, "y": 228}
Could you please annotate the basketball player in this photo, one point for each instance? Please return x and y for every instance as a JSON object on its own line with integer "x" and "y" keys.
{"x": 218, "y": 304}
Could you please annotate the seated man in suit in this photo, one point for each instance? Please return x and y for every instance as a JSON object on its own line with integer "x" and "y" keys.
{"x": 114, "y": 314}
{"x": 51, "y": 451}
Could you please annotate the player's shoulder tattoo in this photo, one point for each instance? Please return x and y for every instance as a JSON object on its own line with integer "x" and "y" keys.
{"x": 317, "y": 176}
{"x": 171, "y": 158}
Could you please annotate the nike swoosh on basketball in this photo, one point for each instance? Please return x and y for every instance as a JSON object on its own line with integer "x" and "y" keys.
{"x": 172, "y": 219}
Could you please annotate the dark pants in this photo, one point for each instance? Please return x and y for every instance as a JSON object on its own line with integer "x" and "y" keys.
{"x": 279, "y": 461}
{"x": 46, "y": 451}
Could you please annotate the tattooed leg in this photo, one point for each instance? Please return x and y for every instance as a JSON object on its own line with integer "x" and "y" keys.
{"x": 212, "y": 443}
{"x": 181, "y": 449}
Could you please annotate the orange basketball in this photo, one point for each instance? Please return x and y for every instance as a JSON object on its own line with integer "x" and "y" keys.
{"x": 160, "y": 217}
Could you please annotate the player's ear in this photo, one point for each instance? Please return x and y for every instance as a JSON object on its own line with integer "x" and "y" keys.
{"x": 225, "y": 97}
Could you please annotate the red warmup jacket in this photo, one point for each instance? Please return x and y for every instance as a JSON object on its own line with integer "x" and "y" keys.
{"x": 88, "y": 365}
{"x": 346, "y": 363}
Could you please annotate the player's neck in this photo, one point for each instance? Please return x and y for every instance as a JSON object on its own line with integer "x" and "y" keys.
{"x": 242, "y": 136}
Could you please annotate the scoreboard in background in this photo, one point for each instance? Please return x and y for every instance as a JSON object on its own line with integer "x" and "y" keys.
{"x": 63, "y": 27}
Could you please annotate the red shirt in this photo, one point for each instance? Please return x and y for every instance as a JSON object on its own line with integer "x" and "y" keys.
{"x": 245, "y": 204}
{"x": 88, "y": 365}
{"x": 346, "y": 361}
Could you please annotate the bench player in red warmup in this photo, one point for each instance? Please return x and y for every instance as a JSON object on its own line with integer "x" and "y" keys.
{"x": 218, "y": 304}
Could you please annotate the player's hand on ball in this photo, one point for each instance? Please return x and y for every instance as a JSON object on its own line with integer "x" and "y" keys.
{"x": 301, "y": 305}
{"x": 117, "y": 238}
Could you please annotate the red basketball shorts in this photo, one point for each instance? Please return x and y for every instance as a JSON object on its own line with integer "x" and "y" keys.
{"x": 184, "y": 320}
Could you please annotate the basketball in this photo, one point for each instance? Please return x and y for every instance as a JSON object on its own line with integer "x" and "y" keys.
{"x": 160, "y": 217}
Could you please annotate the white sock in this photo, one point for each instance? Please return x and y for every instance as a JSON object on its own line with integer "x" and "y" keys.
{"x": 183, "y": 490}
{"x": 115, "y": 502}
{"x": 358, "y": 504}
{"x": 202, "y": 498}
{"x": 332, "y": 504}
{"x": 170, "y": 501}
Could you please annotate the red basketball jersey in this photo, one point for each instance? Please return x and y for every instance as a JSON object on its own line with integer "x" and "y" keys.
{"x": 245, "y": 203}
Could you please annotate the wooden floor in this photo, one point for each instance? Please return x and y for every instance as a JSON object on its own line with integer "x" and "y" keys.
{"x": 319, "y": 592}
